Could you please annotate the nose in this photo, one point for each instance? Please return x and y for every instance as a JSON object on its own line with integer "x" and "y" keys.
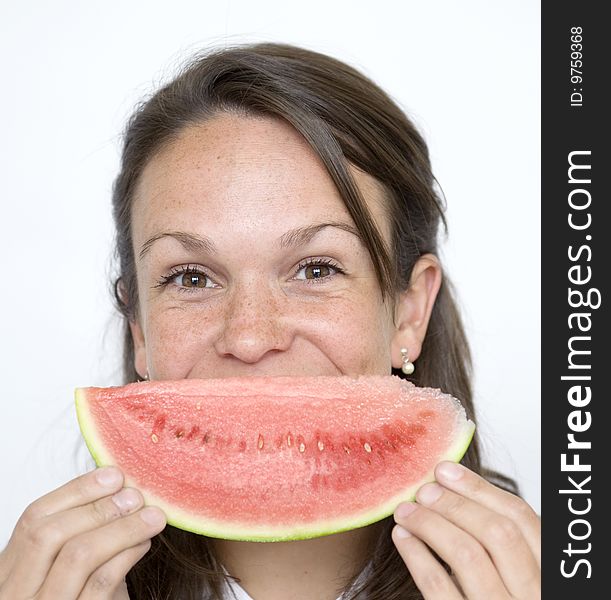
{"x": 254, "y": 324}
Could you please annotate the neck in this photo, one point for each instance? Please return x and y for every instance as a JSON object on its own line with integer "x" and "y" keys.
{"x": 305, "y": 569}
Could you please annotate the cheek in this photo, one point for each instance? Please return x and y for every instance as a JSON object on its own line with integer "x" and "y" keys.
{"x": 350, "y": 332}
{"x": 357, "y": 336}
{"x": 176, "y": 340}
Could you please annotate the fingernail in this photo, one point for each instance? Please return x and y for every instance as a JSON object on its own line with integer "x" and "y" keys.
{"x": 126, "y": 499}
{"x": 153, "y": 516}
{"x": 402, "y": 533}
{"x": 429, "y": 493}
{"x": 405, "y": 509}
{"x": 108, "y": 476}
{"x": 450, "y": 471}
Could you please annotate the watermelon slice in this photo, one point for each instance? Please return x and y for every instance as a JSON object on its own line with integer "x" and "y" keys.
{"x": 274, "y": 458}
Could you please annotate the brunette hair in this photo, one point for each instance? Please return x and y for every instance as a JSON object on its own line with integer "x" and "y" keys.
{"x": 347, "y": 120}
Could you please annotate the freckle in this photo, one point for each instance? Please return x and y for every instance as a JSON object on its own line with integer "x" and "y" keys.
{"x": 367, "y": 447}
{"x": 154, "y": 438}
{"x": 321, "y": 446}
{"x": 260, "y": 442}
{"x": 302, "y": 447}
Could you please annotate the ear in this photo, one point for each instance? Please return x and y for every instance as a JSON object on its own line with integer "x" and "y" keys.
{"x": 136, "y": 331}
{"x": 139, "y": 349}
{"x": 414, "y": 307}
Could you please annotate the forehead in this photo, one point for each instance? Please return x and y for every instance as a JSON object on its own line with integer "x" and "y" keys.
{"x": 236, "y": 165}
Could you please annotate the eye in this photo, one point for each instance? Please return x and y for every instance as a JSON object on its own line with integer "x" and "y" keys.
{"x": 187, "y": 278}
{"x": 316, "y": 269}
{"x": 192, "y": 280}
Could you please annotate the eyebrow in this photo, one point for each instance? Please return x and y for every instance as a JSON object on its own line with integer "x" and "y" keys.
{"x": 291, "y": 239}
{"x": 302, "y": 235}
{"x": 189, "y": 241}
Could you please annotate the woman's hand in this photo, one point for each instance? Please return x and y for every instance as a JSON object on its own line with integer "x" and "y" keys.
{"x": 490, "y": 539}
{"x": 79, "y": 541}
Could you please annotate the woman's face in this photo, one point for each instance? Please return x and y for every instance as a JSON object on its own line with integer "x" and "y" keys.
{"x": 248, "y": 262}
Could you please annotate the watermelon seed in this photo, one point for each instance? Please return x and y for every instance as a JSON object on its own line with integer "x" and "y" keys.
{"x": 321, "y": 446}
{"x": 154, "y": 438}
{"x": 260, "y": 442}
{"x": 346, "y": 449}
{"x": 289, "y": 440}
{"x": 302, "y": 447}
{"x": 179, "y": 434}
{"x": 367, "y": 447}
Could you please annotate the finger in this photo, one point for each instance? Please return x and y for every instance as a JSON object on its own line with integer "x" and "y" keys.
{"x": 42, "y": 540}
{"x": 83, "y": 555}
{"x": 467, "y": 558}
{"x": 106, "y": 581}
{"x": 77, "y": 492}
{"x": 500, "y": 536}
{"x": 432, "y": 579}
{"x": 467, "y": 483}
{"x": 7, "y": 561}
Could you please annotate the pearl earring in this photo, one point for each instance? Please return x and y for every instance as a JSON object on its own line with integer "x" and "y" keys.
{"x": 407, "y": 367}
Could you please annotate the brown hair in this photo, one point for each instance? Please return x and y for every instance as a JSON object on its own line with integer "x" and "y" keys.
{"x": 347, "y": 120}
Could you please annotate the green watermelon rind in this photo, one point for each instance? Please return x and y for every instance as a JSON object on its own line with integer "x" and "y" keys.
{"x": 267, "y": 533}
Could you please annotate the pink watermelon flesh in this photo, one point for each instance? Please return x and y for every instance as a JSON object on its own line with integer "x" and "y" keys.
{"x": 274, "y": 458}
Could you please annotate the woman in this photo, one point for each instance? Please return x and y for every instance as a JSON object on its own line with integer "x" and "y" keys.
{"x": 276, "y": 215}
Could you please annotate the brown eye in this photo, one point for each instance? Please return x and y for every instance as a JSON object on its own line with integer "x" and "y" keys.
{"x": 187, "y": 279}
{"x": 317, "y": 271}
{"x": 193, "y": 280}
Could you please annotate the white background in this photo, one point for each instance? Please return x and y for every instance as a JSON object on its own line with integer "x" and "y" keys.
{"x": 466, "y": 72}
